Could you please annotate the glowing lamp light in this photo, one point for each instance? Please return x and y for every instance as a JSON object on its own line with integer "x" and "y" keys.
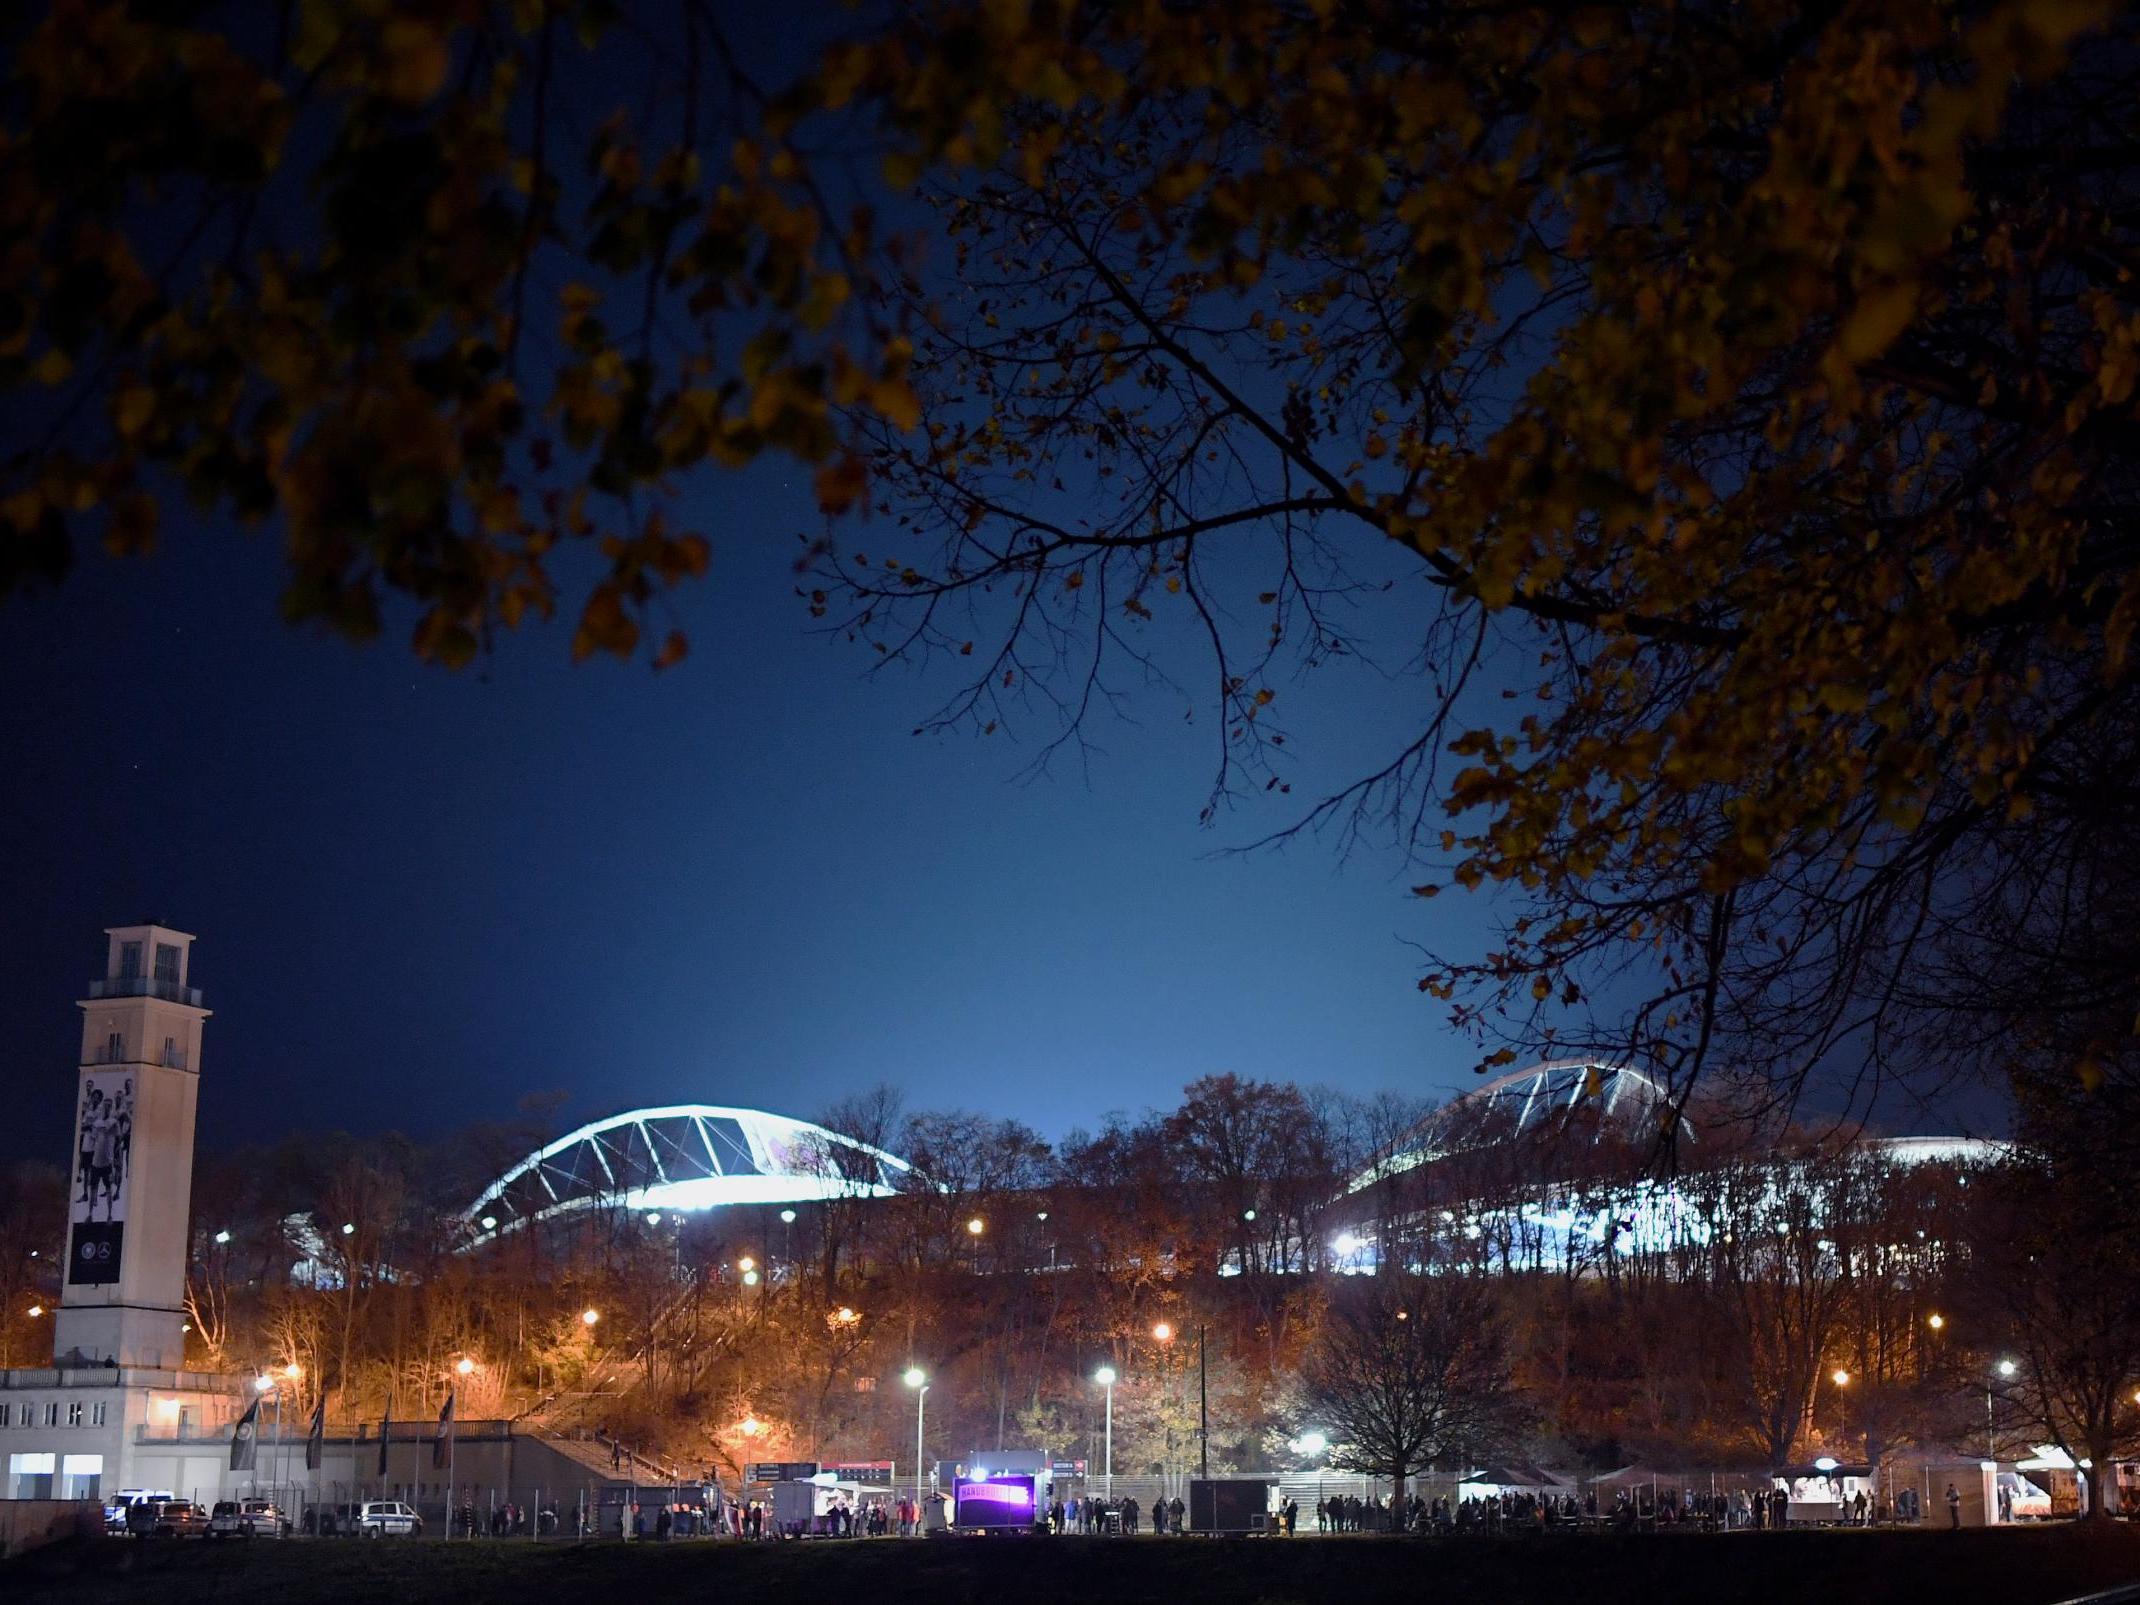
{"x": 349, "y": 1229}
{"x": 976, "y": 1226}
{"x": 2007, "y": 1368}
{"x": 1839, "y": 1377}
{"x": 1105, "y": 1376}
{"x": 1043, "y": 1215}
{"x": 845, "y": 1316}
{"x": 294, "y": 1371}
{"x": 464, "y": 1365}
{"x": 1311, "y": 1444}
{"x": 1162, "y": 1331}
{"x": 222, "y": 1238}
{"x": 746, "y": 1263}
{"x": 1826, "y": 1463}
{"x": 1248, "y": 1214}
{"x": 1404, "y": 1315}
{"x": 589, "y": 1317}
{"x": 262, "y": 1384}
{"x": 1936, "y": 1321}
{"x": 788, "y": 1215}
{"x": 750, "y": 1278}
{"x": 36, "y": 1310}
{"x": 916, "y": 1376}
{"x": 654, "y": 1219}
{"x": 751, "y": 1426}
{"x": 490, "y": 1223}
{"x": 1347, "y": 1243}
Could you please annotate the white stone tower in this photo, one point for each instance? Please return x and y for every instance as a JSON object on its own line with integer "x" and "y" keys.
{"x": 131, "y": 1191}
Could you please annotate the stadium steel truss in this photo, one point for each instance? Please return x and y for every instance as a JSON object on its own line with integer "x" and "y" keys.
{"x": 684, "y": 1157}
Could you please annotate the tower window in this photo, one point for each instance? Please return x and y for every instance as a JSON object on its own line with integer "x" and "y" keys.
{"x": 96, "y": 1415}
{"x": 129, "y": 961}
{"x": 115, "y": 1048}
{"x": 74, "y": 1412}
{"x": 52, "y": 1413}
{"x": 167, "y": 962}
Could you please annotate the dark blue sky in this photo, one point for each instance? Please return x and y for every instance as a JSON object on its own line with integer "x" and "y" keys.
{"x": 420, "y": 895}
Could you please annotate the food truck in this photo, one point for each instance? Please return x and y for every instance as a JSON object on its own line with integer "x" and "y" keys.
{"x": 1826, "y": 1490}
{"x": 1000, "y": 1491}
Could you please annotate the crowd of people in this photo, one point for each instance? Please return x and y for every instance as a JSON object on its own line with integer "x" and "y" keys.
{"x": 1508, "y": 1512}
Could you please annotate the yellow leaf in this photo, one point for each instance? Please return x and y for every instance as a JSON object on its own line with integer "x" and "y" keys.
{"x": 1881, "y": 314}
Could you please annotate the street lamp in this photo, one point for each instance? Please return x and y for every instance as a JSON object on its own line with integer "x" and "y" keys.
{"x": 845, "y": 1316}
{"x": 918, "y": 1379}
{"x": 465, "y": 1366}
{"x": 589, "y": 1317}
{"x": 1162, "y": 1331}
{"x": 1935, "y": 1320}
{"x": 1310, "y": 1445}
{"x": 1105, "y": 1376}
{"x": 1839, "y": 1377}
{"x": 36, "y": 1310}
{"x": 2006, "y": 1369}
{"x": 222, "y": 1239}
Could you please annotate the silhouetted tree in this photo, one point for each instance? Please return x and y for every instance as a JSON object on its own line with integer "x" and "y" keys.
{"x": 1413, "y": 1371}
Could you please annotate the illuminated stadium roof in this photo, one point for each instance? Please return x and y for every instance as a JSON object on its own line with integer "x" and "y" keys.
{"x": 1573, "y": 1096}
{"x": 684, "y": 1156}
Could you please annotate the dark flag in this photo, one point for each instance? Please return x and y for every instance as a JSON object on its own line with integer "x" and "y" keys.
{"x": 316, "y": 1439}
{"x": 385, "y": 1422}
{"x": 246, "y": 1437}
{"x": 442, "y": 1445}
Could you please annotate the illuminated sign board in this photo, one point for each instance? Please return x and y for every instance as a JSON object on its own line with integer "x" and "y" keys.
{"x": 998, "y": 1502}
{"x": 864, "y": 1471}
{"x": 781, "y": 1470}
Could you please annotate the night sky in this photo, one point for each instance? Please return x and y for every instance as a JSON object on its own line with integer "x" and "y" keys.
{"x": 420, "y": 895}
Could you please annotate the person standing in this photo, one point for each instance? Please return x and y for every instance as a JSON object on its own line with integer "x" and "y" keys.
{"x": 1954, "y": 1508}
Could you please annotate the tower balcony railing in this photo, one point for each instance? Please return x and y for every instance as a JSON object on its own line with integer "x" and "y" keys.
{"x": 146, "y": 986}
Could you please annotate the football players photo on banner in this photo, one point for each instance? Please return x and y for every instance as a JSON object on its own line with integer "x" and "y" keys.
{"x": 103, "y": 1148}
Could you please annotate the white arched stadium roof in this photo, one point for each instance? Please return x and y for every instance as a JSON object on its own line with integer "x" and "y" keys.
{"x": 686, "y": 1156}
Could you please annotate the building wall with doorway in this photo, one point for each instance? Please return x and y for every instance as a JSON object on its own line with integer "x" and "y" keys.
{"x": 84, "y": 1432}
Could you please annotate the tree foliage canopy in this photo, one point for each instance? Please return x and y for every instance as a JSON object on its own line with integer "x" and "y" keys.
{"x": 1412, "y": 1372}
{"x": 1751, "y": 388}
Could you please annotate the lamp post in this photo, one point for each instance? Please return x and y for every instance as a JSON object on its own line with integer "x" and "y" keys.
{"x": 974, "y": 1229}
{"x": 2005, "y": 1368}
{"x": 1105, "y": 1376}
{"x": 293, "y": 1372}
{"x": 918, "y": 1379}
{"x": 266, "y": 1385}
{"x": 1203, "y": 1410}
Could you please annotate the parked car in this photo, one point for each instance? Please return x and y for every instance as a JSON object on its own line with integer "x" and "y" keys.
{"x": 334, "y": 1521}
{"x": 247, "y": 1518}
{"x": 389, "y": 1518}
{"x": 166, "y": 1518}
{"x": 123, "y": 1501}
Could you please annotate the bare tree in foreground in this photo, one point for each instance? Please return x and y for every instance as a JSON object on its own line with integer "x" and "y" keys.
{"x": 1411, "y": 1372}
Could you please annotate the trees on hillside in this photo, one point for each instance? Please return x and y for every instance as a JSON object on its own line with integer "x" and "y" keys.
{"x": 1742, "y": 389}
{"x": 1411, "y": 1372}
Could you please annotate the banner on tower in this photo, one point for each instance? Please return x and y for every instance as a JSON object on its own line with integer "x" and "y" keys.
{"x": 103, "y": 1154}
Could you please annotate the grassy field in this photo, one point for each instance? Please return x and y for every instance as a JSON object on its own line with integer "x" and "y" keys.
{"x": 2027, "y": 1567}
